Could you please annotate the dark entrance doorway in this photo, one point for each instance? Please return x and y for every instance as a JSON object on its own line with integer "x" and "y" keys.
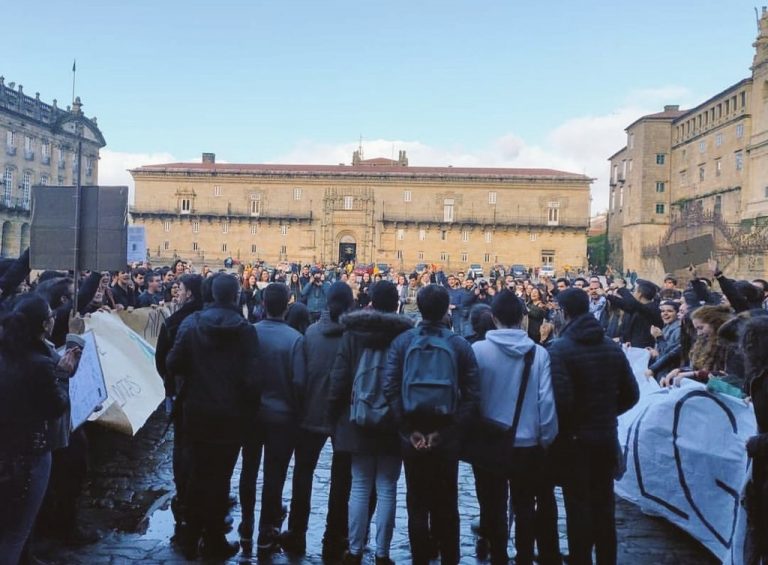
{"x": 347, "y": 252}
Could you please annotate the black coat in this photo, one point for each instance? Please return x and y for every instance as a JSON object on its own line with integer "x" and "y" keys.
{"x": 216, "y": 353}
{"x": 599, "y": 377}
{"x": 452, "y": 428}
{"x": 364, "y": 329}
{"x": 321, "y": 343}
{"x": 165, "y": 342}
{"x": 30, "y": 397}
{"x": 637, "y": 330}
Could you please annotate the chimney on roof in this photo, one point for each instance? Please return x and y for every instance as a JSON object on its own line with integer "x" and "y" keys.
{"x": 209, "y": 158}
{"x": 672, "y": 108}
{"x": 355, "y": 158}
{"x": 402, "y": 160}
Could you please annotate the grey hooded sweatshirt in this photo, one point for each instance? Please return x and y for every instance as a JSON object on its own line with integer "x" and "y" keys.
{"x": 500, "y": 358}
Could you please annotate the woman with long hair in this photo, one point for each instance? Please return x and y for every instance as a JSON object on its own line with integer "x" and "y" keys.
{"x": 30, "y": 397}
{"x": 537, "y": 313}
{"x": 708, "y": 355}
{"x": 294, "y": 289}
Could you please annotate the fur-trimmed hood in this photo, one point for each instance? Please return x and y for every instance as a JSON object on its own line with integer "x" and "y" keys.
{"x": 373, "y": 328}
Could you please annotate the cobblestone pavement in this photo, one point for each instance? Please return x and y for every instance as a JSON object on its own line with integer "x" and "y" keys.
{"x": 130, "y": 485}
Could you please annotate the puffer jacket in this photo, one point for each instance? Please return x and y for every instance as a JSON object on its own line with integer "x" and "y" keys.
{"x": 451, "y": 428}
{"x": 217, "y": 352}
{"x": 599, "y": 375}
{"x": 321, "y": 342}
{"x": 365, "y": 329}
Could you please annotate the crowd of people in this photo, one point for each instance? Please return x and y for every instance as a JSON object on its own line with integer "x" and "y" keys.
{"x": 524, "y": 378}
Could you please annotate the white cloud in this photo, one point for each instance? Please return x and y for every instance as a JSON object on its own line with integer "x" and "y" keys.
{"x": 579, "y": 145}
{"x": 114, "y": 166}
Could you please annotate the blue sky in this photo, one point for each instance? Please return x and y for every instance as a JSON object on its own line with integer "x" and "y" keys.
{"x": 473, "y": 83}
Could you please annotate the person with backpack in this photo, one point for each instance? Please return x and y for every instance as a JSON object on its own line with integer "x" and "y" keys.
{"x": 518, "y": 421}
{"x": 432, "y": 387}
{"x": 364, "y": 424}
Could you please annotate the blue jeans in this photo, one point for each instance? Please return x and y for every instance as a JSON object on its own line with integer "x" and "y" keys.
{"x": 381, "y": 472}
{"x": 23, "y": 481}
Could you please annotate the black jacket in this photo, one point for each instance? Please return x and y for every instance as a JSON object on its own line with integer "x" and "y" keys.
{"x": 165, "y": 341}
{"x": 321, "y": 342}
{"x": 216, "y": 352}
{"x": 453, "y": 429}
{"x": 638, "y": 329}
{"x": 364, "y": 329}
{"x": 29, "y": 398}
{"x": 599, "y": 377}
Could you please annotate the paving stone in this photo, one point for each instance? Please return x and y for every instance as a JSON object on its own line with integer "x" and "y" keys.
{"x": 131, "y": 475}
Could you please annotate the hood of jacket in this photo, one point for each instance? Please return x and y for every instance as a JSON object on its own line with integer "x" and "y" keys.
{"x": 375, "y": 329}
{"x": 584, "y": 329}
{"x": 221, "y": 323}
{"x": 328, "y": 327}
{"x": 513, "y": 342}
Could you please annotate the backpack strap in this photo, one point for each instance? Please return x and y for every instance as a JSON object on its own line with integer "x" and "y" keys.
{"x": 528, "y": 362}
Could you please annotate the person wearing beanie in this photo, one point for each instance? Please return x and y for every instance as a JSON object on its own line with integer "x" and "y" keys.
{"x": 643, "y": 308}
{"x": 593, "y": 384}
{"x": 374, "y": 451}
{"x": 321, "y": 341}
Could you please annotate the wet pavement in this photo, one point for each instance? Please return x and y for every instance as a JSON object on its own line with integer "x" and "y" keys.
{"x": 130, "y": 485}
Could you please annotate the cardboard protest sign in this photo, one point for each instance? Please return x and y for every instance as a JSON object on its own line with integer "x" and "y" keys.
{"x": 686, "y": 459}
{"x": 87, "y": 388}
{"x": 134, "y": 388}
{"x": 694, "y": 251}
{"x": 147, "y": 322}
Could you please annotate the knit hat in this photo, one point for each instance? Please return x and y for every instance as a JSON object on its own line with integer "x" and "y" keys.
{"x": 384, "y": 296}
{"x": 573, "y": 301}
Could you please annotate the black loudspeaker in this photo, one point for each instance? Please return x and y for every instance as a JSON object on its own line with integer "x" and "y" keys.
{"x": 103, "y": 224}
{"x": 694, "y": 251}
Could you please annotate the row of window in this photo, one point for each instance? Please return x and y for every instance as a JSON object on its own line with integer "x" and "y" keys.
{"x": 711, "y": 115}
{"x": 348, "y": 200}
{"x": 45, "y": 152}
{"x": 718, "y": 168}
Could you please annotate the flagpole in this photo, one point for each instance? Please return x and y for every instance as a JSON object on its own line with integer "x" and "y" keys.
{"x": 74, "y": 68}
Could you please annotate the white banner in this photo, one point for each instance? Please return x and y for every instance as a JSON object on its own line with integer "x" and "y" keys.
{"x": 134, "y": 388}
{"x": 686, "y": 458}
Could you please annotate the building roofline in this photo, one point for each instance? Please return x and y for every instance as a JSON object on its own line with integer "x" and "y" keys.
{"x": 358, "y": 171}
{"x": 619, "y": 151}
{"x": 709, "y": 100}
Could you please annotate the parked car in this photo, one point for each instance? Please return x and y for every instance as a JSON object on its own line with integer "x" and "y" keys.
{"x": 547, "y": 271}
{"x": 475, "y": 271}
{"x": 518, "y": 271}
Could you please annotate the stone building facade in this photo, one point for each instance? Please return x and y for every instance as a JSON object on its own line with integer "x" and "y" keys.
{"x": 687, "y": 174}
{"x": 39, "y": 147}
{"x": 376, "y": 210}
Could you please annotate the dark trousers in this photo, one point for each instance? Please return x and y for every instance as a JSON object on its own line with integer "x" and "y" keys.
{"x": 180, "y": 467}
{"x": 432, "y": 498}
{"x": 277, "y": 441}
{"x": 210, "y": 471}
{"x": 337, "y": 519}
{"x": 535, "y": 508}
{"x": 589, "y": 503}
{"x": 308, "y": 448}
{"x": 69, "y": 470}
